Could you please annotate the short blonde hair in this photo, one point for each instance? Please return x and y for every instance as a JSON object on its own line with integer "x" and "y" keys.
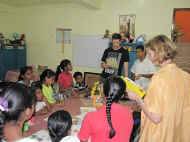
{"x": 163, "y": 47}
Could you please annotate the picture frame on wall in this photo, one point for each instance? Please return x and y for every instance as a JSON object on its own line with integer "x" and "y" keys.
{"x": 127, "y": 23}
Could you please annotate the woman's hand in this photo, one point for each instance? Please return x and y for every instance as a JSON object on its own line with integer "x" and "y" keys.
{"x": 155, "y": 117}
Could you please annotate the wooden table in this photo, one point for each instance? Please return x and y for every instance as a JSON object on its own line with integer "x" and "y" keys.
{"x": 72, "y": 105}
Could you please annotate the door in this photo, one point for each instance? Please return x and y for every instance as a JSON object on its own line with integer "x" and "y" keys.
{"x": 181, "y": 21}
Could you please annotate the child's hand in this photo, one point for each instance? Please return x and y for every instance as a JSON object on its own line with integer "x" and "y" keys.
{"x": 132, "y": 96}
{"x": 107, "y": 66}
{"x": 44, "y": 111}
{"x": 49, "y": 107}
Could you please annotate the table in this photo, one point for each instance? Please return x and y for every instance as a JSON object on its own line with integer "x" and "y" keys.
{"x": 72, "y": 105}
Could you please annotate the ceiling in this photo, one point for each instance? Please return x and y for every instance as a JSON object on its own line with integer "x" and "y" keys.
{"x": 23, "y": 3}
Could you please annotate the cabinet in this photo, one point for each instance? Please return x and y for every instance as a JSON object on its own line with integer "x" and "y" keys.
{"x": 11, "y": 59}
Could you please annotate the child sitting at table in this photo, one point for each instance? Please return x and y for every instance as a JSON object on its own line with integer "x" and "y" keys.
{"x": 16, "y": 107}
{"x": 41, "y": 106}
{"x": 47, "y": 79}
{"x": 64, "y": 77}
{"x": 79, "y": 81}
{"x": 25, "y": 76}
{"x": 59, "y": 126}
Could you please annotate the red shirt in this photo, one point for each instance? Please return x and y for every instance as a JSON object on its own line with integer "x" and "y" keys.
{"x": 95, "y": 125}
{"x": 65, "y": 80}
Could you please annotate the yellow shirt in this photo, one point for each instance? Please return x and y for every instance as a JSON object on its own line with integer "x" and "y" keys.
{"x": 169, "y": 96}
{"x": 48, "y": 93}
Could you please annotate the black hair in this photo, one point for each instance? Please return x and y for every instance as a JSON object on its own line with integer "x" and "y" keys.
{"x": 23, "y": 70}
{"x": 46, "y": 73}
{"x": 116, "y": 36}
{"x": 77, "y": 74}
{"x": 35, "y": 85}
{"x": 17, "y": 98}
{"x": 4, "y": 85}
{"x": 59, "y": 123}
{"x": 114, "y": 88}
{"x": 141, "y": 47}
{"x": 64, "y": 63}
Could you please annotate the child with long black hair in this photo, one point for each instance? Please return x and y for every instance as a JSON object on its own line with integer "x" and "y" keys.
{"x": 59, "y": 127}
{"x": 16, "y": 107}
{"x": 111, "y": 123}
{"x": 64, "y": 77}
{"x": 41, "y": 106}
{"x": 25, "y": 76}
{"x": 47, "y": 79}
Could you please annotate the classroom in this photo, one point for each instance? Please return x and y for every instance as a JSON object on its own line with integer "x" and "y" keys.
{"x": 107, "y": 70}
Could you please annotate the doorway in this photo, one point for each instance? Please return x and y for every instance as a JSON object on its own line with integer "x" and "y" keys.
{"x": 181, "y": 25}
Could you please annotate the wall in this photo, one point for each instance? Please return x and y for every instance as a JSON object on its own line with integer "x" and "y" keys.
{"x": 39, "y": 24}
{"x": 8, "y": 23}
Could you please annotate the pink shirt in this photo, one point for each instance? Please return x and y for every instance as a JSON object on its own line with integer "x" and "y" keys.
{"x": 95, "y": 125}
{"x": 65, "y": 80}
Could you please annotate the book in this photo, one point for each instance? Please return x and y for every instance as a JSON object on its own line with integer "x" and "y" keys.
{"x": 133, "y": 87}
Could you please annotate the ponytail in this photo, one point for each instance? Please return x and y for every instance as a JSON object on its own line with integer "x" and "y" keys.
{"x": 64, "y": 63}
{"x": 58, "y": 71}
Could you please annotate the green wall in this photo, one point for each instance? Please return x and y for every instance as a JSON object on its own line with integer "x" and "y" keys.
{"x": 40, "y": 22}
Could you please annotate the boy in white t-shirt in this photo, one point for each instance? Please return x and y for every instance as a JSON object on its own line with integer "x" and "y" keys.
{"x": 143, "y": 69}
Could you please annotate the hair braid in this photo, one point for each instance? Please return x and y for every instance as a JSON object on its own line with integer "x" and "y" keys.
{"x": 108, "y": 113}
{"x": 114, "y": 87}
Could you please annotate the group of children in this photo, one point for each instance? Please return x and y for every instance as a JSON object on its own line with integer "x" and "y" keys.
{"x": 52, "y": 86}
{"x": 112, "y": 122}
{"x": 45, "y": 93}
{"x": 19, "y": 100}
{"x": 17, "y": 105}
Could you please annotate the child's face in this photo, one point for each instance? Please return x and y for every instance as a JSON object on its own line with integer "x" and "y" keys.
{"x": 140, "y": 54}
{"x": 122, "y": 35}
{"x": 116, "y": 43}
{"x": 69, "y": 67}
{"x": 28, "y": 75}
{"x": 79, "y": 79}
{"x": 39, "y": 95}
{"x": 50, "y": 81}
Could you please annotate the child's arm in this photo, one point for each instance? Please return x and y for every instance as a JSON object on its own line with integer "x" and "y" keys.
{"x": 48, "y": 105}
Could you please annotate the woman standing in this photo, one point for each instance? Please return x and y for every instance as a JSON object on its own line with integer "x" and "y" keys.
{"x": 166, "y": 107}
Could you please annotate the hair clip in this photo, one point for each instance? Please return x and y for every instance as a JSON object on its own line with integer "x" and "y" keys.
{"x": 3, "y": 104}
{"x": 61, "y": 69}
